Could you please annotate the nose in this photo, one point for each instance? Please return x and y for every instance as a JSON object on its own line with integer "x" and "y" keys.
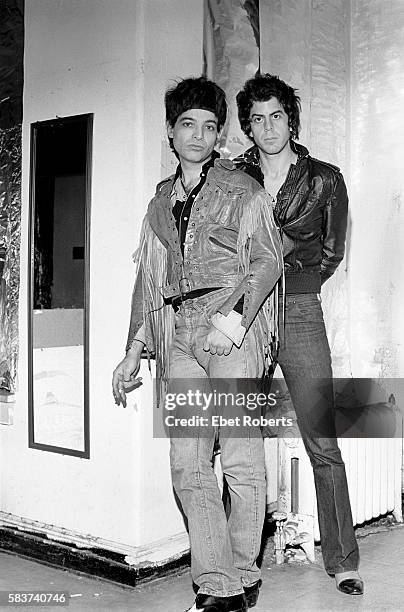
{"x": 198, "y": 132}
{"x": 268, "y": 124}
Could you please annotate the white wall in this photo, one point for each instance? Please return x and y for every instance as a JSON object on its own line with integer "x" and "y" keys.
{"x": 377, "y": 188}
{"x": 112, "y": 59}
{"x": 345, "y": 57}
{"x": 307, "y": 45}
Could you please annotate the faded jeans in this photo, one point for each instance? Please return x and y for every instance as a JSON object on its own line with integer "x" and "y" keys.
{"x": 305, "y": 360}
{"x": 223, "y": 551}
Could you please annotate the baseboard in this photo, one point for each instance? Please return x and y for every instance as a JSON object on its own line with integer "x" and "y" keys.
{"x": 97, "y": 562}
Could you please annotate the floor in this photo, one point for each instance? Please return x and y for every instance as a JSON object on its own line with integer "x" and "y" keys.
{"x": 293, "y": 586}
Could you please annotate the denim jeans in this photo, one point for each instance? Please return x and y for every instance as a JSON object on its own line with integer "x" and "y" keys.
{"x": 305, "y": 360}
{"x": 223, "y": 551}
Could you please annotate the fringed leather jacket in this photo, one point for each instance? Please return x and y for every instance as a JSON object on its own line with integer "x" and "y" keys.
{"x": 231, "y": 241}
{"x": 311, "y": 214}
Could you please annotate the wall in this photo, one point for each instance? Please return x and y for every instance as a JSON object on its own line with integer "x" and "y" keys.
{"x": 232, "y": 56}
{"x": 306, "y": 44}
{"x": 102, "y": 57}
{"x": 345, "y": 58}
{"x": 377, "y": 188}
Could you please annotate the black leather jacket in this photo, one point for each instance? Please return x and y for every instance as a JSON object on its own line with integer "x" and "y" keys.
{"x": 311, "y": 214}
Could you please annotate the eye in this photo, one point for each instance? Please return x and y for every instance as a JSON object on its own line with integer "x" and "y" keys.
{"x": 186, "y": 124}
{"x": 211, "y": 128}
{"x": 256, "y": 120}
{"x": 276, "y": 116}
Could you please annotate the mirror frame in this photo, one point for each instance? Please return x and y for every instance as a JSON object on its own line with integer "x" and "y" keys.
{"x": 85, "y": 454}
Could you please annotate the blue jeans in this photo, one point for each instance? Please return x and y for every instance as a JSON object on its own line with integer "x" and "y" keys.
{"x": 305, "y": 360}
{"x": 223, "y": 552}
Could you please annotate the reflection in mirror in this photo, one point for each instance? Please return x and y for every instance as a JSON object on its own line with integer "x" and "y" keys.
{"x": 58, "y": 285}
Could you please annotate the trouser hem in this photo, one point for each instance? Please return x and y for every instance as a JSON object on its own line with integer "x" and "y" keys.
{"x": 340, "y": 570}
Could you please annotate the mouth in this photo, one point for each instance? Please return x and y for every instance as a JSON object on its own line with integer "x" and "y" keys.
{"x": 196, "y": 147}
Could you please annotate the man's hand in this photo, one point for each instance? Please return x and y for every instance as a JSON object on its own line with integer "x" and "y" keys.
{"x": 124, "y": 375}
{"x": 216, "y": 343}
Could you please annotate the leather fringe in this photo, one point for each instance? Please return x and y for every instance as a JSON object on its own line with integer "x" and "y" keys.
{"x": 158, "y": 317}
{"x": 266, "y": 324}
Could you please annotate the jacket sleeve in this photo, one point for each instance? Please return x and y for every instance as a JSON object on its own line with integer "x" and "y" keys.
{"x": 334, "y": 229}
{"x": 260, "y": 258}
{"x": 141, "y": 306}
{"x": 136, "y": 315}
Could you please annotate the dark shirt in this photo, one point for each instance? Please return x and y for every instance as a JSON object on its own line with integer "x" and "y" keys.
{"x": 182, "y": 208}
{"x": 182, "y": 211}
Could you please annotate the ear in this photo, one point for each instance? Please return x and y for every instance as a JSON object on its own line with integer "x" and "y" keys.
{"x": 170, "y": 130}
{"x": 250, "y": 135}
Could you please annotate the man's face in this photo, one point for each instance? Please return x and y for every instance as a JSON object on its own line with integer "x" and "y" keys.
{"x": 194, "y": 135}
{"x": 269, "y": 126}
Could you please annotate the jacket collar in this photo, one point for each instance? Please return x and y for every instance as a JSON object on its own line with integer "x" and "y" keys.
{"x": 177, "y": 187}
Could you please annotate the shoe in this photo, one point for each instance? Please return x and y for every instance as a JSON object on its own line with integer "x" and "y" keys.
{"x": 252, "y": 592}
{"x": 351, "y": 586}
{"x": 211, "y": 603}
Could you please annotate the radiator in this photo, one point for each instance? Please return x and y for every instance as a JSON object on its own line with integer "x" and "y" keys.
{"x": 373, "y": 468}
{"x": 374, "y": 474}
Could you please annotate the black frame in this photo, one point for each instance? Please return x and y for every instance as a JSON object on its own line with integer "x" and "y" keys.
{"x": 85, "y": 454}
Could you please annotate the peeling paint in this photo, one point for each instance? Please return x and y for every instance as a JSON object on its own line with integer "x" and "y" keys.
{"x": 232, "y": 58}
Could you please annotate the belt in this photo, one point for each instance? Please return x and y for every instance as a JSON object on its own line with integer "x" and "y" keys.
{"x": 176, "y": 303}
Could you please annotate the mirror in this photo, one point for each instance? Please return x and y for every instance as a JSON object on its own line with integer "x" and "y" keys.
{"x": 59, "y": 285}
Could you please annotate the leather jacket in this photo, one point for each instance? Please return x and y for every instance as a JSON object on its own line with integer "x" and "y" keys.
{"x": 311, "y": 214}
{"x": 231, "y": 241}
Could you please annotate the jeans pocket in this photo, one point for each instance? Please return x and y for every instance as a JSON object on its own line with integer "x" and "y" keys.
{"x": 304, "y": 308}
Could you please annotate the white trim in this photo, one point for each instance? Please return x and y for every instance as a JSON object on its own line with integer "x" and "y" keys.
{"x": 155, "y": 553}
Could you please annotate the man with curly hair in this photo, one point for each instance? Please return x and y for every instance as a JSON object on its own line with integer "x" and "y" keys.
{"x": 310, "y": 204}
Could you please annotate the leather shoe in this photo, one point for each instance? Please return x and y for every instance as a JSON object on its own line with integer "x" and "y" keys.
{"x": 252, "y": 593}
{"x": 211, "y": 603}
{"x": 351, "y": 586}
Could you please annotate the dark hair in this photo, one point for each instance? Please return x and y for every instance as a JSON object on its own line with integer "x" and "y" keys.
{"x": 261, "y": 88}
{"x": 195, "y": 92}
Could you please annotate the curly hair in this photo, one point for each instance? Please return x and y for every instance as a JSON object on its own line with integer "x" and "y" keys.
{"x": 195, "y": 92}
{"x": 261, "y": 88}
